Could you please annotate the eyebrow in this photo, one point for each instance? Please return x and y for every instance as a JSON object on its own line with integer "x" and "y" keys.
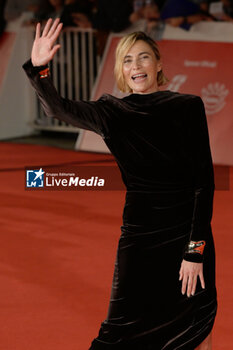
{"x": 141, "y": 53}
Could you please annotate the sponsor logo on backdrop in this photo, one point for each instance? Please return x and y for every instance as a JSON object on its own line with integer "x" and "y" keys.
{"x": 214, "y": 97}
{"x": 205, "y": 64}
{"x": 176, "y": 82}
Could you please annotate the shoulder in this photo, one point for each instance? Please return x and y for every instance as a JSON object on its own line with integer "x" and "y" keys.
{"x": 166, "y": 97}
{"x": 182, "y": 97}
{"x": 158, "y": 95}
{"x": 187, "y": 102}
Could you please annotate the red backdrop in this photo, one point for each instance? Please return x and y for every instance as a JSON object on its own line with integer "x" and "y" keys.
{"x": 200, "y": 68}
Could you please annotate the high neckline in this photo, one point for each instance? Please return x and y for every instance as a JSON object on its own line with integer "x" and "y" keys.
{"x": 136, "y": 96}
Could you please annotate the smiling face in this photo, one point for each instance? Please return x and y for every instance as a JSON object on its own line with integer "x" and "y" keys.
{"x": 140, "y": 68}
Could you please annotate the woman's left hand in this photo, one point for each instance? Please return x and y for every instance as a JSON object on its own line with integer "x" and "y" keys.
{"x": 189, "y": 272}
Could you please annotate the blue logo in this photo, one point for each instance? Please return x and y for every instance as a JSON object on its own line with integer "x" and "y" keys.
{"x": 35, "y": 178}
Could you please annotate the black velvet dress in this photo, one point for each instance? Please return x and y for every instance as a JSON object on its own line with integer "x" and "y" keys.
{"x": 161, "y": 145}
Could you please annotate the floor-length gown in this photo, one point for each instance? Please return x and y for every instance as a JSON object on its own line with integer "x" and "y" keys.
{"x": 160, "y": 142}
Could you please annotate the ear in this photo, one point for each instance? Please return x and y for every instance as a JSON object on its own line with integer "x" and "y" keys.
{"x": 159, "y": 66}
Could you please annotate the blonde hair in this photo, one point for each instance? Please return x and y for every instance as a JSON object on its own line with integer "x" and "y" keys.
{"x": 123, "y": 47}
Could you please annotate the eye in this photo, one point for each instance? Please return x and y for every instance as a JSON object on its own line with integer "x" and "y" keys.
{"x": 145, "y": 56}
{"x": 128, "y": 60}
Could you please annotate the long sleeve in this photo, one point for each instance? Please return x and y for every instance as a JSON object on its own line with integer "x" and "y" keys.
{"x": 203, "y": 174}
{"x": 85, "y": 115}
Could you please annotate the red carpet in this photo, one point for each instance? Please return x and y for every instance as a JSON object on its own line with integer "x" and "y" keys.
{"x": 57, "y": 252}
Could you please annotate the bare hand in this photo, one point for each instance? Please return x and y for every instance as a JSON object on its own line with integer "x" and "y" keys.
{"x": 43, "y": 48}
{"x": 189, "y": 272}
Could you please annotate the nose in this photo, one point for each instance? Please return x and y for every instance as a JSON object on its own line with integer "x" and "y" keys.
{"x": 136, "y": 64}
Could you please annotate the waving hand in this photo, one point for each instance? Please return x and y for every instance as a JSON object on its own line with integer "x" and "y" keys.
{"x": 44, "y": 47}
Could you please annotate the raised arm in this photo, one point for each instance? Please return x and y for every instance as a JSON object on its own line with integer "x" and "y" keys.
{"x": 86, "y": 115}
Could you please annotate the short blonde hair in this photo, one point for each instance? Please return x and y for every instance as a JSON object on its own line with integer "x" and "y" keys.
{"x": 123, "y": 47}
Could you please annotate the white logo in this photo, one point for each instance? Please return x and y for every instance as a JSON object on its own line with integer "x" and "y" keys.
{"x": 176, "y": 82}
{"x": 214, "y": 97}
{"x": 207, "y": 64}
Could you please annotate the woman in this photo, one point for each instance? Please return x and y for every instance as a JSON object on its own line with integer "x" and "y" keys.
{"x": 163, "y": 291}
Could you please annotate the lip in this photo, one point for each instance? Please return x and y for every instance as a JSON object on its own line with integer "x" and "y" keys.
{"x": 139, "y": 77}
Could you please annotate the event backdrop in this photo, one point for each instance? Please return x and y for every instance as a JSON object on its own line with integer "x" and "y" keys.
{"x": 195, "y": 67}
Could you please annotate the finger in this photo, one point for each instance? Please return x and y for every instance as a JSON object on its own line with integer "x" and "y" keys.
{"x": 47, "y": 26}
{"x": 181, "y": 273}
{"x": 54, "y": 50}
{"x": 202, "y": 280}
{"x": 56, "y": 33}
{"x": 194, "y": 285}
{"x": 184, "y": 284}
{"x": 54, "y": 27}
{"x": 190, "y": 285}
{"x": 37, "y": 31}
